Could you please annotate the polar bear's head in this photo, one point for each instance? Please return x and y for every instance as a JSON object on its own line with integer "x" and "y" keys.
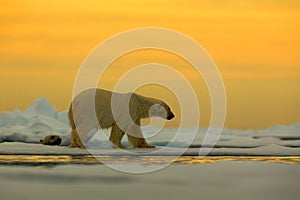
{"x": 161, "y": 110}
{"x": 51, "y": 140}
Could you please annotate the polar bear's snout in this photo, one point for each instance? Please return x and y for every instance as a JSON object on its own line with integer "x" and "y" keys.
{"x": 170, "y": 116}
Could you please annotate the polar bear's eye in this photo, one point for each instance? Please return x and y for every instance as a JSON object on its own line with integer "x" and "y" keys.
{"x": 162, "y": 108}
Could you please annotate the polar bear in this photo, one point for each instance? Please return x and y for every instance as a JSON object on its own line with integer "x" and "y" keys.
{"x": 51, "y": 140}
{"x": 98, "y": 108}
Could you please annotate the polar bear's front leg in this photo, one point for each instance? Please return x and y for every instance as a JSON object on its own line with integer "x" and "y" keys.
{"x": 136, "y": 138}
{"x": 116, "y": 136}
{"x": 138, "y": 142}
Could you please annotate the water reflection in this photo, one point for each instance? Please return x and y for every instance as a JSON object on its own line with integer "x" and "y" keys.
{"x": 212, "y": 159}
{"x": 39, "y": 160}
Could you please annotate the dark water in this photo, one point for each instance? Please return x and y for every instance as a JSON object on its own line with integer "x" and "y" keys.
{"x": 53, "y": 160}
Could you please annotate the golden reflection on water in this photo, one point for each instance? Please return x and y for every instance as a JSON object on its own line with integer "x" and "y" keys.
{"x": 212, "y": 159}
{"x": 37, "y": 160}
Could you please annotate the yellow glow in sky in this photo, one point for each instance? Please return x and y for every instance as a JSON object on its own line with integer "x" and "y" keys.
{"x": 255, "y": 44}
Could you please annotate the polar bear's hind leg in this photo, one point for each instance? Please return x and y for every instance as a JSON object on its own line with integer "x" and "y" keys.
{"x": 75, "y": 140}
{"x": 116, "y": 136}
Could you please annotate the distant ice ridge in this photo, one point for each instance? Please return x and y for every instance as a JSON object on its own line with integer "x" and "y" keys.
{"x": 41, "y": 119}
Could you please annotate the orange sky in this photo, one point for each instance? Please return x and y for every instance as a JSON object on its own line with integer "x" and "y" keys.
{"x": 255, "y": 44}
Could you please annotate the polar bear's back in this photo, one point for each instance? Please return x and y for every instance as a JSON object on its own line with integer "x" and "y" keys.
{"x": 98, "y": 101}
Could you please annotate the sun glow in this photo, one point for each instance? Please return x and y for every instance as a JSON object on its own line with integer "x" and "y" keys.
{"x": 254, "y": 43}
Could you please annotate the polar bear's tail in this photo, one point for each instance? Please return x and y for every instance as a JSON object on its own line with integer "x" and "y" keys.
{"x": 70, "y": 116}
